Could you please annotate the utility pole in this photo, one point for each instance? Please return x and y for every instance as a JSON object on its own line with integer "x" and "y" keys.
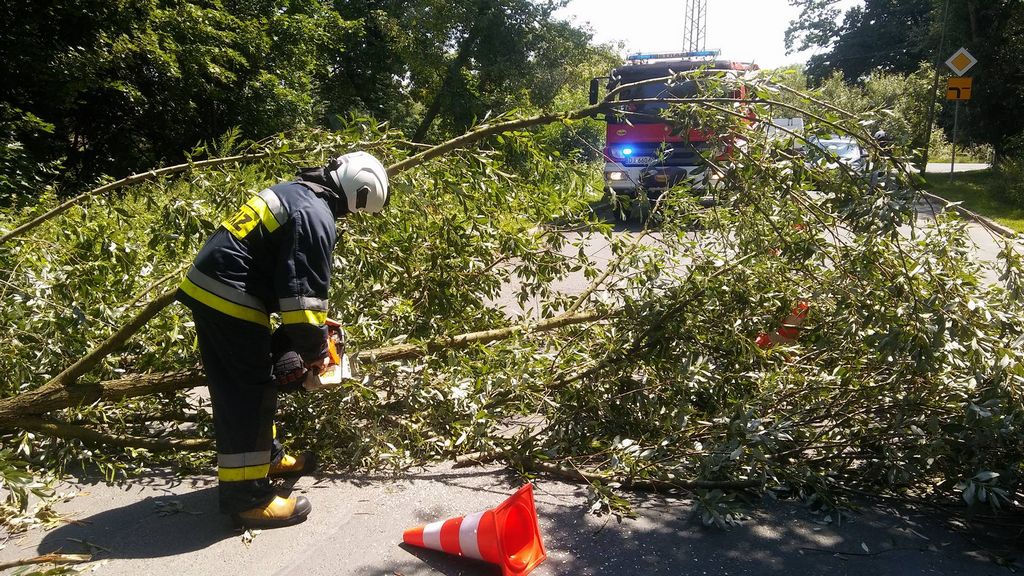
{"x": 935, "y": 88}
{"x": 695, "y": 25}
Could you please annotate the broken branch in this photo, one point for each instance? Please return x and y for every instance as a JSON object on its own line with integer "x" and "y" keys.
{"x": 47, "y": 398}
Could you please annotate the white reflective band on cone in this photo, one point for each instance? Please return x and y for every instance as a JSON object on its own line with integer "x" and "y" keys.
{"x": 432, "y": 535}
{"x": 467, "y": 536}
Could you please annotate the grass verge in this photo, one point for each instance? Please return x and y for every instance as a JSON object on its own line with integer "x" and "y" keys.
{"x": 978, "y": 192}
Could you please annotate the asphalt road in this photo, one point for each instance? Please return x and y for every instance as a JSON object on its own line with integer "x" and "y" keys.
{"x": 986, "y": 246}
{"x": 357, "y": 522}
{"x": 939, "y": 167}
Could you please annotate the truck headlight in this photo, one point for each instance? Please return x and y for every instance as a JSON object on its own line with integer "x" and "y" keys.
{"x": 616, "y": 176}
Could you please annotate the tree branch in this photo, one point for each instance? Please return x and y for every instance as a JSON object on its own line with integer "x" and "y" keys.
{"x": 58, "y": 429}
{"x": 409, "y": 351}
{"x": 575, "y": 475}
{"x": 133, "y": 179}
{"x": 48, "y": 559}
{"x": 169, "y": 276}
{"x": 486, "y": 130}
{"x": 96, "y": 355}
{"x": 49, "y": 397}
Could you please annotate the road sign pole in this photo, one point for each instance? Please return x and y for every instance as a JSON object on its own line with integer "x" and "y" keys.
{"x": 956, "y": 124}
{"x": 958, "y": 89}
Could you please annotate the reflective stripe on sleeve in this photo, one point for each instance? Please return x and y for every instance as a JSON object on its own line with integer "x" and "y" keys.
{"x": 302, "y": 303}
{"x": 315, "y": 317}
{"x": 263, "y": 208}
{"x": 264, "y": 213}
{"x": 274, "y": 205}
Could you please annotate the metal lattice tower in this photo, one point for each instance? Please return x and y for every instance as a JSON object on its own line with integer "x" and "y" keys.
{"x": 695, "y": 25}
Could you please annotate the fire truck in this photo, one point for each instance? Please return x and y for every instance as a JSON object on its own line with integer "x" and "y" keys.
{"x": 642, "y": 151}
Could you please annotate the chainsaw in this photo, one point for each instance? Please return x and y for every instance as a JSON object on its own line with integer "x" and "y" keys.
{"x": 291, "y": 373}
{"x": 338, "y": 366}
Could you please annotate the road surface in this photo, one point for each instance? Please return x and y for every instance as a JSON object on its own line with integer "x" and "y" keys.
{"x": 357, "y": 522}
{"x": 943, "y": 167}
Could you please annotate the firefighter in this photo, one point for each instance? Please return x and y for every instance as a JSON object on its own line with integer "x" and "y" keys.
{"x": 271, "y": 256}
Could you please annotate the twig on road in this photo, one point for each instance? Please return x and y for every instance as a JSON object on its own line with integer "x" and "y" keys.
{"x": 48, "y": 559}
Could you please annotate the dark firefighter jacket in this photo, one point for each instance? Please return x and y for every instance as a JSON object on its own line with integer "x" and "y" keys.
{"x": 272, "y": 255}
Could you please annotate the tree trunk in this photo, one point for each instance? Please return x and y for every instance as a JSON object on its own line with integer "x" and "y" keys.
{"x": 47, "y": 399}
{"x": 462, "y": 54}
{"x": 972, "y": 13}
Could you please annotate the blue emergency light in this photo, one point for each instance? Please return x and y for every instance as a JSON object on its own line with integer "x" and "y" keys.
{"x": 627, "y": 151}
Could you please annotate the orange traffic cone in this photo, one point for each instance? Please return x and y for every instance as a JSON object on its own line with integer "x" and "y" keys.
{"x": 789, "y": 331}
{"x": 507, "y": 535}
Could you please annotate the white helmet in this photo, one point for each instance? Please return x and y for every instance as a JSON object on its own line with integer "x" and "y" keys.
{"x": 363, "y": 180}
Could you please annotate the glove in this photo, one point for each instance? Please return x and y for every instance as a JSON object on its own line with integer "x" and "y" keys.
{"x": 290, "y": 372}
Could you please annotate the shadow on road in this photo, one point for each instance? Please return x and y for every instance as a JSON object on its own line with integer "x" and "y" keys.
{"x": 139, "y": 530}
{"x": 779, "y": 538}
{"x": 630, "y": 221}
{"x": 363, "y": 515}
{"x": 440, "y": 563}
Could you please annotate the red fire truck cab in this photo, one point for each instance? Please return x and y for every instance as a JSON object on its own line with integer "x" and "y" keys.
{"x": 642, "y": 151}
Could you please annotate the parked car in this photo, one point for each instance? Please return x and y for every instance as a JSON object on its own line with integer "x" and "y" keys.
{"x": 845, "y": 149}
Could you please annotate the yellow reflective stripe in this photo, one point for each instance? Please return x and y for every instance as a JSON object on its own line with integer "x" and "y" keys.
{"x": 242, "y": 222}
{"x": 243, "y": 473}
{"x": 254, "y": 211}
{"x": 318, "y": 317}
{"x": 226, "y": 306}
{"x": 229, "y": 293}
{"x": 266, "y": 215}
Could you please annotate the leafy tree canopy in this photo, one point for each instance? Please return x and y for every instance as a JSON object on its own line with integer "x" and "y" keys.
{"x": 887, "y": 35}
{"x": 898, "y": 35}
{"x": 129, "y": 84}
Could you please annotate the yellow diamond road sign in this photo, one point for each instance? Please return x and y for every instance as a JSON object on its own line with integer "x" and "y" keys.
{"x": 961, "y": 62}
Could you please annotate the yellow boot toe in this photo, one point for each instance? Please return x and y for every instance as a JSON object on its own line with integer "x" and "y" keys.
{"x": 276, "y": 513}
{"x": 293, "y": 465}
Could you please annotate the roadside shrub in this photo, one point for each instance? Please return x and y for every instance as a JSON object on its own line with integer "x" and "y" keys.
{"x": 1010, "y": 169}
{"x": 1012, "y": 172}
{"x": 941, "y": 150}
{"x": 894, "y": 103}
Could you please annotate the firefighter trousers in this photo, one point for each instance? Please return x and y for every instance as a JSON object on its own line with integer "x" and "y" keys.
{"x": 236, "y": 359}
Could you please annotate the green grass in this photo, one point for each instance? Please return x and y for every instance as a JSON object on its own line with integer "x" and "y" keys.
{"x": 960, "y": 159}
{"x": 977, "y": 191}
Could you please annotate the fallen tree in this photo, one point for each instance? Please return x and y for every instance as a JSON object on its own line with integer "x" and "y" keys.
{"x": 908, "y": 368}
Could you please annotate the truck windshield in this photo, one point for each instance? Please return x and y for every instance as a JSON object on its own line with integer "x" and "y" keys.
{"x": 648, "y": 112}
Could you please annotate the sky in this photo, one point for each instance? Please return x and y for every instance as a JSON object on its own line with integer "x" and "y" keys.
{"x": 746, "y": 30}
